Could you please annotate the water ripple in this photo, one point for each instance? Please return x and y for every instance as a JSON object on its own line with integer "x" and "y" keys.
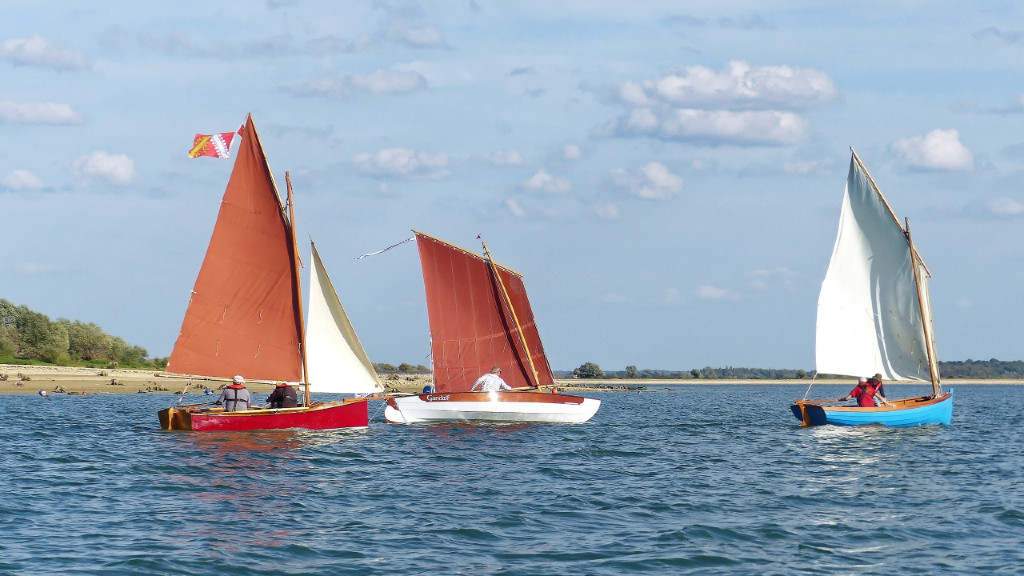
{"x": 699, "y": 480}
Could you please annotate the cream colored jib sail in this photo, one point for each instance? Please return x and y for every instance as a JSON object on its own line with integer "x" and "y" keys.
{"x": 336, "y": 360}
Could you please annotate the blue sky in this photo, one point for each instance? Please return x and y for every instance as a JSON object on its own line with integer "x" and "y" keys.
{"x": 666, "y": 175}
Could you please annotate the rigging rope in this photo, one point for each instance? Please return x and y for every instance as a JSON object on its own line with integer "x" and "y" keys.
{"x": 808, "y": 392}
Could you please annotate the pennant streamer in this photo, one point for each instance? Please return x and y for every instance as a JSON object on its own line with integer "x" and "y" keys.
{"x": 215, "y": 145}
{"x": 386, "y": 249}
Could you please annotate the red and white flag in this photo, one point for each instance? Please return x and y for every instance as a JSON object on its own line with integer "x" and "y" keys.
{"x": 216, "y": 145}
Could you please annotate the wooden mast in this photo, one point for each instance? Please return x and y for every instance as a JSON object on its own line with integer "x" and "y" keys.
{"x": 298, "y": 285}
{"x": 515, "y": 318}
{"x": 925, "y": 319}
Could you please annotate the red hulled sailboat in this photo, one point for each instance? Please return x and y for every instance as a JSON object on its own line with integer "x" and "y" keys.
{"x": 245, "y": 313}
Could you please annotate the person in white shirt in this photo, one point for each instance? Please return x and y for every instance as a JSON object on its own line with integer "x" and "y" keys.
{"x": 490, "y": 382}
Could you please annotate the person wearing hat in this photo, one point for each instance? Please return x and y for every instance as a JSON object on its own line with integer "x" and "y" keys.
{"x": 865, "y": 392}
{"x": 235, "y": 397}
{"x": 283, "y": 396}
{"x": 490, "y": 382}
{"x": 876, "y": 381}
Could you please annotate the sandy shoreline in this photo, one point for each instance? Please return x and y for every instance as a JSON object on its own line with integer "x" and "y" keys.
{"x": 17, "y": 379}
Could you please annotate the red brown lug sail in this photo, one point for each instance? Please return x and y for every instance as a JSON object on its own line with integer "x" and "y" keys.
{"x": 243, "y": 315}
{"x": 471, "y": 326}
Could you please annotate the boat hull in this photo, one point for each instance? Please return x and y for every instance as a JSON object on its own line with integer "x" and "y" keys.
{"x": 490, "y": 407}
{"x": 907, "y": 412}
{"x": 319, "y": 416}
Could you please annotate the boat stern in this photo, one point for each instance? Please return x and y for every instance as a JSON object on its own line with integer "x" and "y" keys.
{"x": 809, "y": 414}
{"x": 175, "y": 419}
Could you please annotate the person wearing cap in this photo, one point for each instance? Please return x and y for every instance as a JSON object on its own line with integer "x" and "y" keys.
{"x": 235, "y": 397}
{"x": 865, "y": 393}
{"x": 283, "y": 396}
{"x": 490, "y": 382}
{"x": 876, "y": 381}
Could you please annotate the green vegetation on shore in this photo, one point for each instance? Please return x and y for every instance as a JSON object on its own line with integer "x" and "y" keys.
{"x": 970, "y": 369}
{"x": 29, "y": 337}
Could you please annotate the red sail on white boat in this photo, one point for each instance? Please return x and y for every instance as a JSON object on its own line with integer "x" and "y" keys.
{"x": 479, "y": 318}
{"x": 472, "y": 324}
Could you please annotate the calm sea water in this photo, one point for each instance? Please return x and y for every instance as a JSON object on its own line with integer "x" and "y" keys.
{"x": 696, "y": 480}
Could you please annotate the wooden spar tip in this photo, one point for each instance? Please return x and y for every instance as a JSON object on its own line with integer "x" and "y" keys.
{"x": 464, "y": 250}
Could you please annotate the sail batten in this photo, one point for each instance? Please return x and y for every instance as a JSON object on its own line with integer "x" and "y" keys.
{"x": 242, "y": 317}
{"x": 869, "y": 309}
{"x": 471, "y": 326}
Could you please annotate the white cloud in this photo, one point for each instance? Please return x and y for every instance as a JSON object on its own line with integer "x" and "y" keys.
{"x": 607, "y": 211}
{"x": 737, "y": 86}
{"x": 936, "y": 150}
{"x": 764, "y": 279}
{"x": 403, "y": 162}
{"x": 671, "y": 295}
{"x": 714, "y": 126}
{"x": 548, "y": 183}
{"x": 801, "y": 168}
{"x": 21, "y": 180}
{"x": 35, "y": 268}
{"x": 741, "y": 104}
{"x": 37, "y": 51}
{"x": 651, "y": 182}
{"x": 504, "y": 158}
{"x": 381, "y": 82}
{"x": 37, "y": 113}
{"x": 1006, "y": 207}
{"x": 707, "y": 292}
{"x": 423, "y": 37}
{"x": 515, "y": 207}
{"x": 389, "y": 82}
{"x": 572, "y": 152}
{"x": 114, "y": 168}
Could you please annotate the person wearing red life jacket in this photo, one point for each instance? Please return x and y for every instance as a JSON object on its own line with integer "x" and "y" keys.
{"x": 866, "y": 393}
{"x": 236, "y": 396}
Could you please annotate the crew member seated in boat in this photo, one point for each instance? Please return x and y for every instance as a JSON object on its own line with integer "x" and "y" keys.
{"x": 866, "y": 394}
{"x": 876, "y": 381}
{"x": 283, "y": 396}
{"x": 490, "y": 382}
{"x": 236, "y": 396}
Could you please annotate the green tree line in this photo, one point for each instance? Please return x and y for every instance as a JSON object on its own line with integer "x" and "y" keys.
{"x": 403, "y": 368}
{"x": 971, "y": 369}
{"x": 27, "y": 335}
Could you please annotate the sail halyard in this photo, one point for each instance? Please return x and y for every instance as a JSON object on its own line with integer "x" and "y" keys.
{"x": 515, "y": 318}
{"x": 241, "y": 316}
